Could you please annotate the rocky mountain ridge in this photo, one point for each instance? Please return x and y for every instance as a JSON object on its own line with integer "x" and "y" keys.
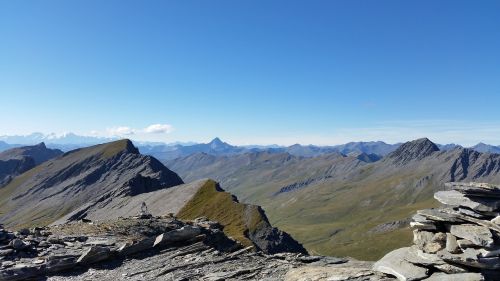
{"x": 56, "y": 187}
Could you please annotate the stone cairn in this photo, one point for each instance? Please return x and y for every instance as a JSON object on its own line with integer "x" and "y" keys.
{"x": 459, "y": 241}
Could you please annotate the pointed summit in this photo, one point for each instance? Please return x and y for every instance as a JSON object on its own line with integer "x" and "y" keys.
{"x": 413, "y": 150}
{"x": 218, "y": 144}
{"x": 216, "y": 141}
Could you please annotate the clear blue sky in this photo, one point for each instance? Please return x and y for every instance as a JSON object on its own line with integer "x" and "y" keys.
{"x": 321, "y": 72}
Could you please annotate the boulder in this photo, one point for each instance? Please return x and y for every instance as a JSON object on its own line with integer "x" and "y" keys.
{"x": 183, "y": 234}
{"x": 94, "y": 254}
{"x": 428, "y": 241}
{"x": 18, "y": 244}
{"x": 479, "y": 235}
{"x": 451, "y": 244}
{"x": 394, "y": 263}
{"x": 60, "y": 263}
{"x": 130, "y": 248}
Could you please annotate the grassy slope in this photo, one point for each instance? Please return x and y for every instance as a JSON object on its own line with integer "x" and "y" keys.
{"x": 238, "y": 219}
{"x": 319, "y": 217}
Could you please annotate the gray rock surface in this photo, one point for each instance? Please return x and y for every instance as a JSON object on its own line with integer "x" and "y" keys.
{"x": 479, "y": 235}
{"x": 394, "y": 263}
{"x": 456, "y": 277}
{"x": 192, "y": 250}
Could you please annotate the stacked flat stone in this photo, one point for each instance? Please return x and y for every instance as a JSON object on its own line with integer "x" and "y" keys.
{"x": 459, "y": 241}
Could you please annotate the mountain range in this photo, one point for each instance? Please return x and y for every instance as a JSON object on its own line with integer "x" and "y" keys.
{"x": 341, "y": 201}
{"x": 339, "y": 204}
{"x": 169, "y": 151}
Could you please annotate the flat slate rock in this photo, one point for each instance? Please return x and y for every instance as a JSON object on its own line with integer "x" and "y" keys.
{"x": 455, "y": 198}
{"x": 439, "y": 215}
{"x": 395, "y": 263}
{"x": 479, "y": 235}
{"x": 475, "y": 189}
{"x": 471, "y": 258}
{"x": 456, "y": 277}
{"x": 317, "y": 273}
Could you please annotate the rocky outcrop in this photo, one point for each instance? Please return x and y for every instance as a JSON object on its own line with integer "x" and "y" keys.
{"x": 455, "y": 242}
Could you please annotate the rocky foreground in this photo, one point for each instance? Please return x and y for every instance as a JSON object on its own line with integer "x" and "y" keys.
{"x": 161, "y": 248}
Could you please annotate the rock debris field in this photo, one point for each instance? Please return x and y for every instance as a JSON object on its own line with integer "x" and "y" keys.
{"x": 157, "y": 249}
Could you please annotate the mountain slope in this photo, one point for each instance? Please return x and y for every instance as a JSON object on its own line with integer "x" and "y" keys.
{"x": 56, "y": 187}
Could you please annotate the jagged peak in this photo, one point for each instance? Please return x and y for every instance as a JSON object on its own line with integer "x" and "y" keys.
{"x": 41, "y": 145}
{"x": 216, "y": 140}
{"x": 413, "y": 150}
{"x": 218, "y": 143}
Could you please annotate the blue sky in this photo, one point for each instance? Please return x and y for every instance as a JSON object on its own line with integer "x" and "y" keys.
{"x": 261, "y": 72}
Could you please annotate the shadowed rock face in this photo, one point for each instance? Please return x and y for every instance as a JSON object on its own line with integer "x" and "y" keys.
{"x": 56, "y": 187}
{"x": 16, "y": 161}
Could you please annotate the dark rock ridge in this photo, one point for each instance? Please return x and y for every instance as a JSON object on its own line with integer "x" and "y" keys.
{"x": 16, "y": 161}
{"x": 413, "y": 150}
{"x": 56, "y": 187}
